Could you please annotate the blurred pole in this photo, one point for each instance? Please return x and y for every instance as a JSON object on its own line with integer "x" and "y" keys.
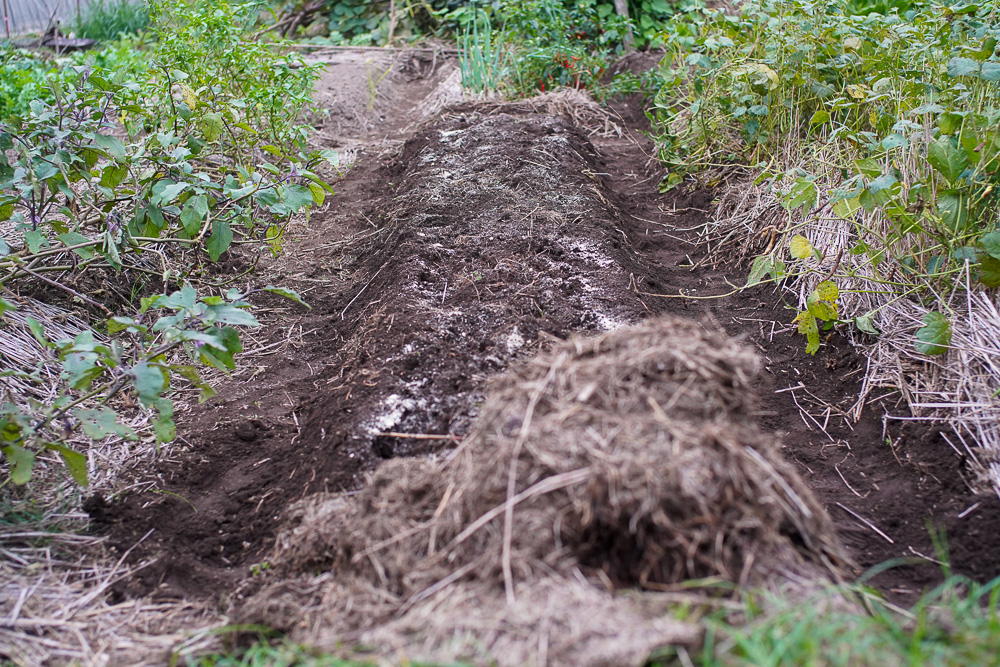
{"x": 6, "y": 19}
{"x": 392, "y": 21}
{"x": 621, "y": 8}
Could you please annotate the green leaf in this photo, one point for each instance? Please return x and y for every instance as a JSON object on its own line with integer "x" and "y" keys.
{"x": 5, "y": 306}
{"x": 111, "y": 145}
{"x": 800, "y": 247}
{"x": 230, "y": 314}
{"x": 294, "y": 296}
{"x": 868, "y": 167}
{"x": 953, "y": 207}
{"x": 163, "y": 423}
{"x": 38, "y": 331}
{"x": 100, "y": 423}
{"x": 297, "y": 197}
{"x": 318, "y": 194}
{"x": 112, "y": 175}
{"x": 807, "y": 325}
{"x": 820, "y": 117}
{"x": 150, "y": 382}
{"x": 947, "y": 158}
{"x": 989, "y": 271}
{"x": 990, "y": 72}
{"x": 963, "y": 67}
{"x": 194, "y": 213}
{"x": 21, "y": 462}
{"x": 846, "y": 208}
{"x": 75, "y": 238}
{"x": 166, "y": 191}
{"x": 75, "y": 462}
{"x": 935, "y": 336}
{"x": 35, "y": 240}
{"x": 991, "y": 243}
{"x": 803, "y": 195}
{"x": 212, "y": 126}
{"x": 866, "y": 323}
{"x": 220, "y": 239}
{"x": 883, "y": 182}
{"x": 222, "y": 360}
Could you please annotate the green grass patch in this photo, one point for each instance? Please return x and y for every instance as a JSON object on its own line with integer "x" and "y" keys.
{"x": 958, "y": 623}
{"x": 111, "y": 19}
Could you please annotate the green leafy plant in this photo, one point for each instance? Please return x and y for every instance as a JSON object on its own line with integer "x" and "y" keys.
{"x": 903, "y": 109}
{"x": 157, "y": 171}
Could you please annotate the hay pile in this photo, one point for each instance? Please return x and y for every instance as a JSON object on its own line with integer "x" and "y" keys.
{"x": 627, "y": 460}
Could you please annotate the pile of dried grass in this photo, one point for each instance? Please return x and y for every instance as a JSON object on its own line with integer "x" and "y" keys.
{"x": 627, "y": 460}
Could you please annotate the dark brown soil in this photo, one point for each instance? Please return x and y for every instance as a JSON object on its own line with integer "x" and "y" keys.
{"x": 477, "y": 242}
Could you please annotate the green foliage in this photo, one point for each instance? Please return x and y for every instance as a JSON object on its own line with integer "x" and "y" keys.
{"x": 958, "y": 623}
{"x": 907, "y": 106}
{"x": 22, "y": 79}
{"x": 182, "y": 168}
{"x": 553, "y": 44}
{"x": 110, "y": 19}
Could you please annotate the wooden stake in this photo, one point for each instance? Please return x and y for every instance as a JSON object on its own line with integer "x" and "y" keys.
{"x": 621, "y": 8}
{"x": 392, "y": 21}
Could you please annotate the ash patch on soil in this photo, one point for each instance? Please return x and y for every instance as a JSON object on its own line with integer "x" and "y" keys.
{"x": 494, "y": 236}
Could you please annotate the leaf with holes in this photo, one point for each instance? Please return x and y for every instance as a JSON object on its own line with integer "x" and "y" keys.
{"x": 100, "y": 423}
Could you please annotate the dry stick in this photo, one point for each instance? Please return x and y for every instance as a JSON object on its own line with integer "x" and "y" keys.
{"x": 866, "y": 522}
{"x": 70, "y": 290}
{"x": 416, "y": 436}
{"x": 508, "y": 519}
{"x": 362, "y": 290}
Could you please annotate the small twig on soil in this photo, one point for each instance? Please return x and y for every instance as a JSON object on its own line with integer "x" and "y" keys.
{"x": 865, "y": 522}
{"x": 64, "y": 288}
{"x": 416, "y": 436}
{"x": 361, "y": 292}
{"x": 844, "y": 479}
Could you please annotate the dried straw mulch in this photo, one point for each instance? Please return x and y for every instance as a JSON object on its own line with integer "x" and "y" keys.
{"x": 628, "y": 461}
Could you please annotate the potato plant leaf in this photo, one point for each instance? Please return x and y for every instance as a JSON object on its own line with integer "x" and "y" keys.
{"x": 935, "y": 336}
